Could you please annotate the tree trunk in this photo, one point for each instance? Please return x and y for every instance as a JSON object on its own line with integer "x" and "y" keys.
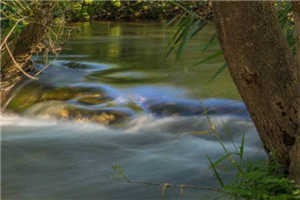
{"x": 23, "y": 48}
{"x": 266, "y": 75}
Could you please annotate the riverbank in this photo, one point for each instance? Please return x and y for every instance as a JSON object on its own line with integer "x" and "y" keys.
{"x": 127, "y": 11}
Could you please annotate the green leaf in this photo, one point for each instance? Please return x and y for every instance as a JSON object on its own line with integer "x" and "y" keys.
{"x": 219, "y": 71}
{"x": 210, "y": 42}
{"x": 172, "y": 21}
{"x": 224, "y": 157}
{"x": 200, "y": 27}
{"x": 176, "y": 37}
{"x": 208, "y": 58}
{"x": 186, "y": 36}
{"x": 185, "y": 9}
{"x": 212, "y": 165}
{"x": 242, "y": 147}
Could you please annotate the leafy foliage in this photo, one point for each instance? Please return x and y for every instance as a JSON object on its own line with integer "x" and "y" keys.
{"x": 17, "y": 14}
{"x": 189, "y": 23}
{"x": 76, "y": 11}
{"x": 11, "y": 12}
{"x": 84, "y": 10}
{"x": 262, "y": 182}
{"x": 286, "y": 21}
{"x": 21, "y": 13}
{"x": 254, "y": 180}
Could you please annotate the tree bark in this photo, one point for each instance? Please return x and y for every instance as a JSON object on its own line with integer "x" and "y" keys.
{"x": 23, "y": 48}
{"x": 266, "y": 75}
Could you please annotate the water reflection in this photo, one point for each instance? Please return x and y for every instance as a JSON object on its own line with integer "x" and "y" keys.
{"x": 142, "y": 48}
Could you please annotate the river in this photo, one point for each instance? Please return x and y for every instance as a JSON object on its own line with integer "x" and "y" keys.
{"x": 59, "y": 145}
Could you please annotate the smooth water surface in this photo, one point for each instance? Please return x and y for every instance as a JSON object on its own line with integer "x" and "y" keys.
{"x": 132, "y": 56}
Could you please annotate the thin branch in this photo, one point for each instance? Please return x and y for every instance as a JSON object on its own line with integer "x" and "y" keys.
{"x": 14, "y": 94}
{"x": 181, "y": 186}
{"x": 163, "y": 186}
{"x": 3, "y": 13}
{"x": 40, "y": 71}
{"x": 9, "y": 33}
{"x": 17, "y": 64}
{"x": 3, "y": 2}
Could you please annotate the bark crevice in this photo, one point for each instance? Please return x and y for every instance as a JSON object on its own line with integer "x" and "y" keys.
{"x": 263, "y": 68}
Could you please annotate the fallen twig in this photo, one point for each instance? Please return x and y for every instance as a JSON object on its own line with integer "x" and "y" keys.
{"x": 164, "y": 186}
{"x": 181, "y": 186}
{"x": 17, "y": 64}
{"x": 40, "y": 71}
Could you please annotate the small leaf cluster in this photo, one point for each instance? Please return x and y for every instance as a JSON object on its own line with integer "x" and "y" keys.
{"x": 286, "y": 21}
{"x": 188, "y": 24}
{"x": 259, "y": 181}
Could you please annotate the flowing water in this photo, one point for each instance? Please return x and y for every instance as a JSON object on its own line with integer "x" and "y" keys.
{"x": 61, "y": 146}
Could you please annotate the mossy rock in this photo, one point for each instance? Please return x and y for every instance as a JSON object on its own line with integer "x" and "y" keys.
{"x": 175, "y": 109}
{"x": 94, "y": 99}
{"x": 36, "y": 92}
{"x": 135, "y": 107}
{"x": 65, "y": 111}
{"x": 28, "y": 96}
{"x": 191, "y": 107}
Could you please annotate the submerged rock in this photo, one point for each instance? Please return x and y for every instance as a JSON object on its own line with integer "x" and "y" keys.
{"x": 175, "y": 108}
{"x": 65, "y": 111}
{"x": 36, "y": 92}
{"x": 79, "y": 65}
{"x": 190, "y": 108}
{"x": 76, "y": 65}
{"x": 94, "y": 99}
{"x": 134, "y": 106}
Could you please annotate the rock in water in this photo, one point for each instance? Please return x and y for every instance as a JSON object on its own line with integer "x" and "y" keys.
{"x": 36, "y": 92}
{"x": 94, "y": 99}
{"x": 65, "y": 111}
{"x": 176, "y": 108}
{"x": 192, "y": 107}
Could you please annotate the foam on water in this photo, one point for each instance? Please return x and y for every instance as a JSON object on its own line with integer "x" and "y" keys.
{"x": 65, "y": 160}
{"x": 19, "y": 121}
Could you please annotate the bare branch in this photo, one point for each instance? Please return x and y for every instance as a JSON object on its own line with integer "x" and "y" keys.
{"x": 17, "y": 64}
{"x": 181, "y": 186}
{"x": 10, "y": 32}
